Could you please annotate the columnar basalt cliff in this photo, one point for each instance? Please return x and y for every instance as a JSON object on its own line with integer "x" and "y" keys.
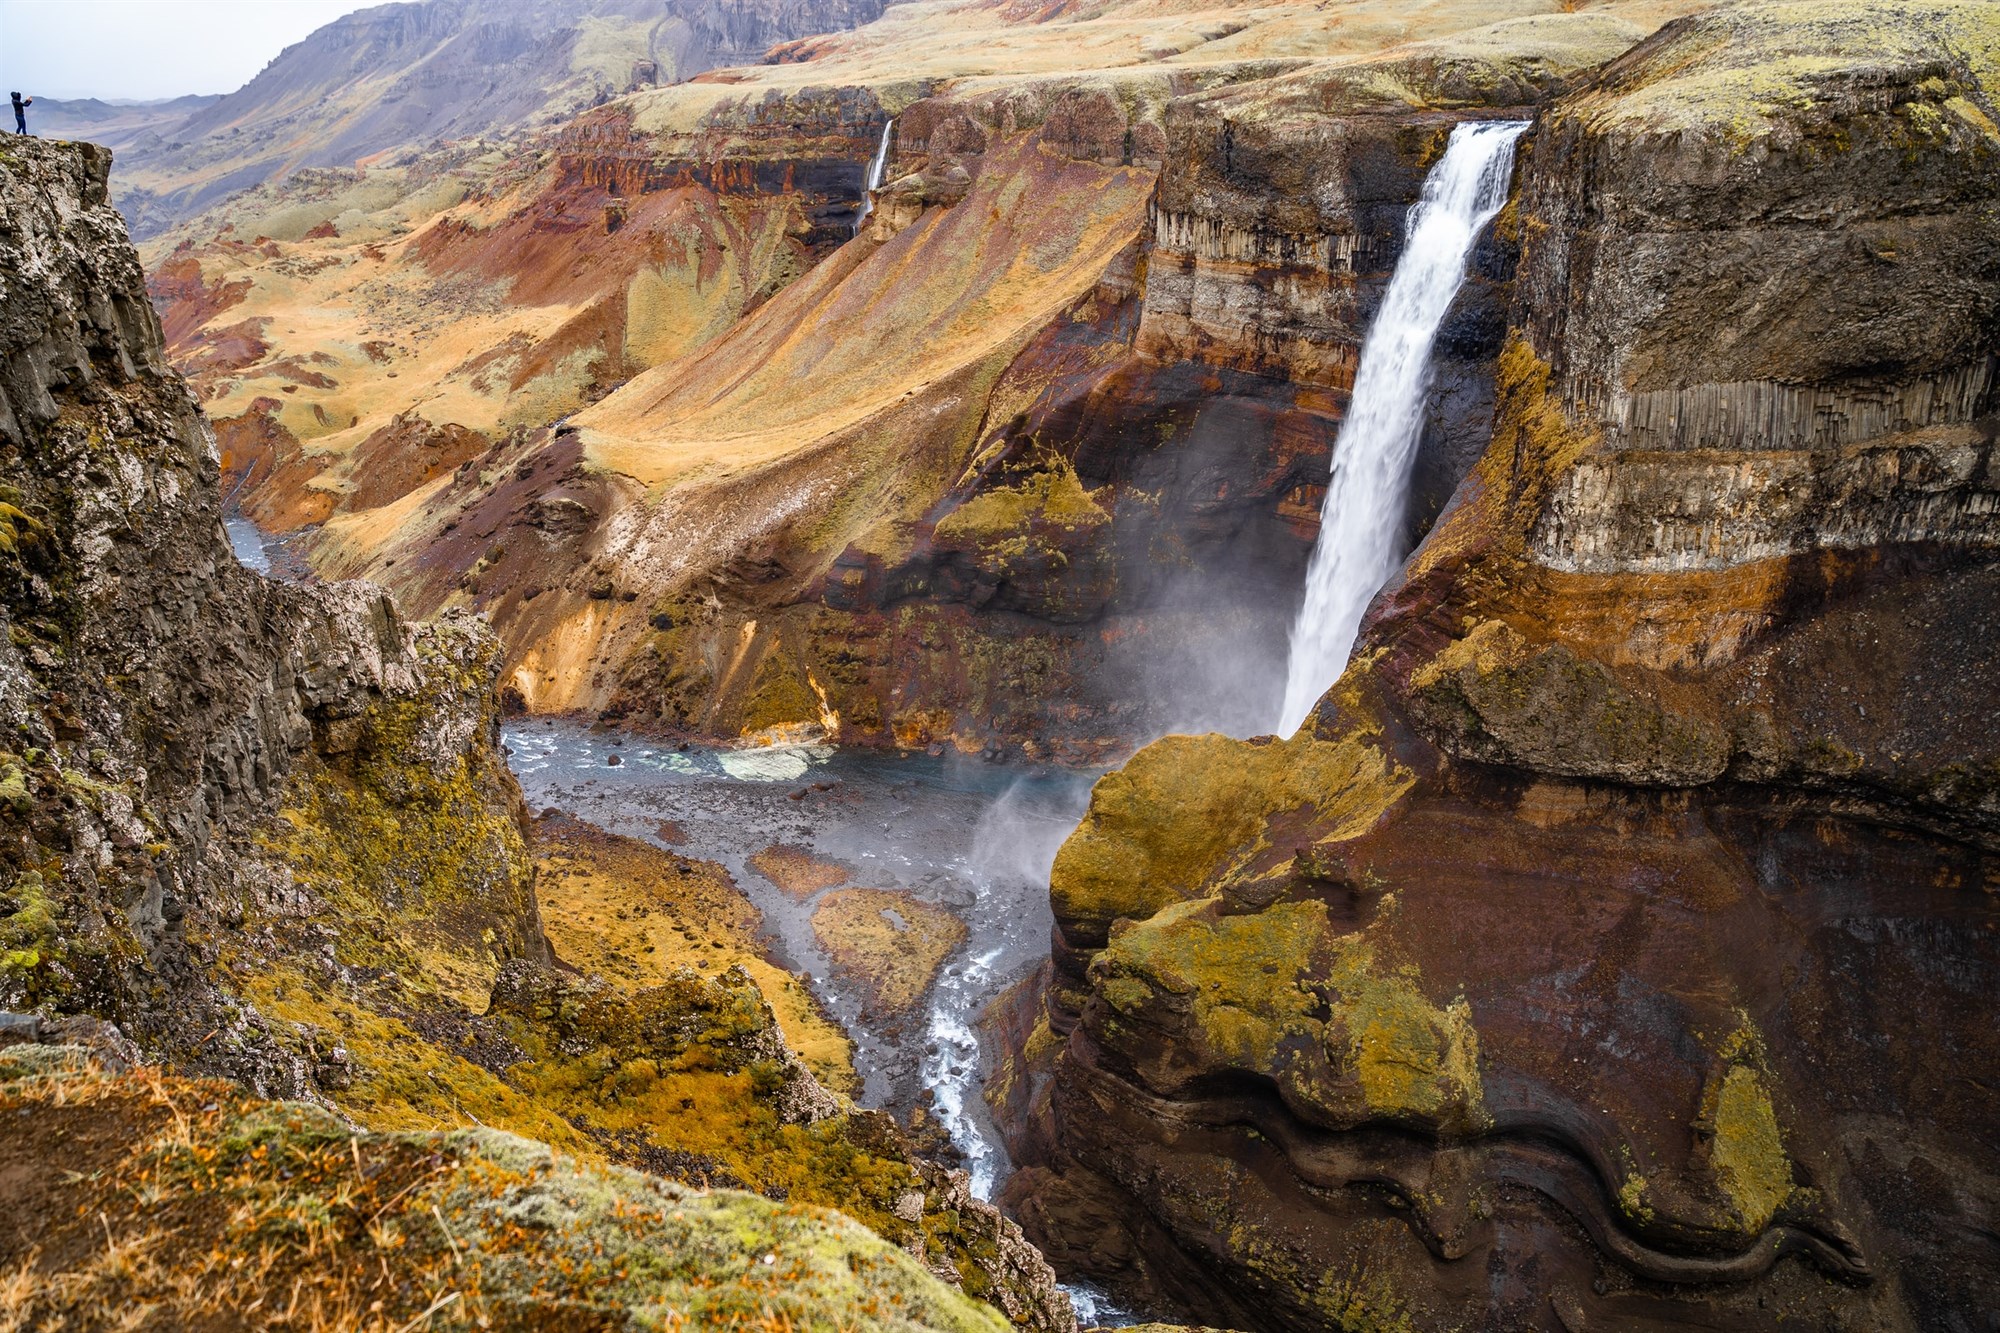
{"x": 1614, "y": 946}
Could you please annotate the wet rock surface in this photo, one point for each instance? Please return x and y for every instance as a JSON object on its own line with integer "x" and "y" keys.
{"x": 1608, "y": 951}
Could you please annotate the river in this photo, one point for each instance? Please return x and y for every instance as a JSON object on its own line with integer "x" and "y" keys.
{"x": 974, "y": 837}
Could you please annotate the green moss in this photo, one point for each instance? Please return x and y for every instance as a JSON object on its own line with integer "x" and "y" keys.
{"x": 14, "y": 793}
{"x": 780, "y": 696}
{"x": 407, "y": 841}
{"x": 29, "y": 934}
{"x": 20, "y": 531}
{"x": 1632, "y": 1190}
{"x": 1276, "y": 993}
{"x": 1364, "y": 1304}
{"x": 1189, "y": 812}
{"x": 1746, "y": 1147}
{"x": 1054, "y": 496}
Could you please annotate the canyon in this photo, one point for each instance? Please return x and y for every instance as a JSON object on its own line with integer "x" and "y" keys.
{"x": 1088, "y": 356}
{"x": 811, "y": 445}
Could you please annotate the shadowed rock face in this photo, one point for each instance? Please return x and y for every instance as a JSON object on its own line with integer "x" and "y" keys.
{"x": 162, "y": 702}
{"x": 1613, "y": 948}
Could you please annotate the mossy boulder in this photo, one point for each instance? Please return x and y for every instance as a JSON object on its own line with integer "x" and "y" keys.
{"x": 1193, "y": 993}
{"x": 1189, "y": 814}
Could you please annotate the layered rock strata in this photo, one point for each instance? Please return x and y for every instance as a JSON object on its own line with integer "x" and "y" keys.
{"x": 357, "y": 336}
{"x": 1047, "y": 470}
{"x": 1612, "y": 947}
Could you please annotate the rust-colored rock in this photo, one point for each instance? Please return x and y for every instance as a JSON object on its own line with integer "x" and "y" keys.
{"x": 1641, "y": 976}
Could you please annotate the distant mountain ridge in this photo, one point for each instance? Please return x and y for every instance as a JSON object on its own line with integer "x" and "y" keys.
{"x": 407, "y": 75}
{"x": 117, "y": 124}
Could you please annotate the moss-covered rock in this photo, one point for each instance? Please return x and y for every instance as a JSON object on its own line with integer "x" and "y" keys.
{"x": 1193, "y": 993}
{"x": 1495, "y": 697}
{"x": 1191, "y": 813}
{"x": 189, "y": 1203}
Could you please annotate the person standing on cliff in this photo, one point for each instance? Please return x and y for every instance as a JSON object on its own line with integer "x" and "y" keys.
{"x": 21, "y": 105}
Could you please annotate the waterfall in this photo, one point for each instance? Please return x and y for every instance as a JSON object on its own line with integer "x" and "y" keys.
{"x": 1360, "y": 534}
{"x": 875, "y": 170}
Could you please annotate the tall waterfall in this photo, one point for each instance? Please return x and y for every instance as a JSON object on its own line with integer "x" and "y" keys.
{"x": 1360, "y": 534}
{"x": 875, "y": 170}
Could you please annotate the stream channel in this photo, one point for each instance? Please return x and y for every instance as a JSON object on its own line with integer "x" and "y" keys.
{"x": 973, "y": 837}
{"x": 968, "y": 835}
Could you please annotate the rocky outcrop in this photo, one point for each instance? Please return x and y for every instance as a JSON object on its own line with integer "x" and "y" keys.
{"x": 164, "y": 702}
{"x": 1609, "y": 949}
{"x": 693, "y": 1079}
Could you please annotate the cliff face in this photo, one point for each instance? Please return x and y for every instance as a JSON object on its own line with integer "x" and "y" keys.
{"x": 266, "y": 830}
{"x": 1610, "y": 949}
{"x": 163, "y": 701}
{"x": 1020, "y": 468}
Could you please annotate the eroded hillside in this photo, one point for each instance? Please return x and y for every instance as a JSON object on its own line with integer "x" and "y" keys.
{"x": 1002, "y": 472}
{"x": 264, "y": 832}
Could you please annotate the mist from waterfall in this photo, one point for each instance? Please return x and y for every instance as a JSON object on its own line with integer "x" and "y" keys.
{"x": 1361, "y": 524}
{"x": 875, "y": 170}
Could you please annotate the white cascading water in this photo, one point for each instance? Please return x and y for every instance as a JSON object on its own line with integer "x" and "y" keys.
{"x": 1360, "y": 533}
{"x": 875, "y": 170}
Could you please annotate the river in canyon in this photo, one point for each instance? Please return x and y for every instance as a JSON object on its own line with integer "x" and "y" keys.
{"x": 973, "y": 837}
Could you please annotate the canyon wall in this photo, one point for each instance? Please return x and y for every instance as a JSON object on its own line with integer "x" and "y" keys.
{"x": 165, "y": 703}
{"x": 1021, "y": 469}
{"x": 1613, "y": 947}
{"x": 354, "y": 339}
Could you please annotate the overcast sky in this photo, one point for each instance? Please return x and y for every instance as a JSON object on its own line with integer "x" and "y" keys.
{"x": 149, "y": 48}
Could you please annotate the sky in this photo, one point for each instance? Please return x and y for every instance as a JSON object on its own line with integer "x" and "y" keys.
{"x": 143, "y": 49}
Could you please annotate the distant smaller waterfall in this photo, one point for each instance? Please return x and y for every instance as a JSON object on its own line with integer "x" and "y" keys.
{"x": 1361, "y": 522}
{"x": 875, "y": 170}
